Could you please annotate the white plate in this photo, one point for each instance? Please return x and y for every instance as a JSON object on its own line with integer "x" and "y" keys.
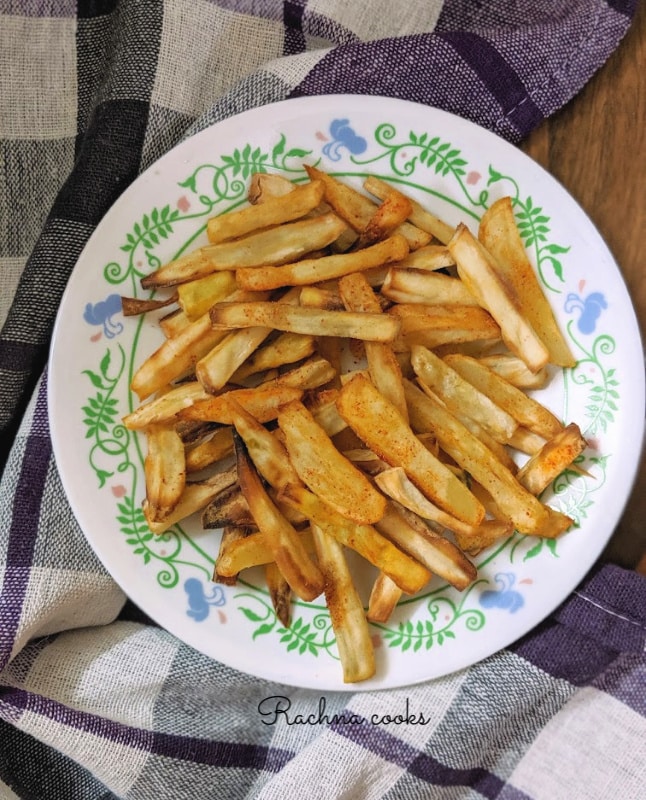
{"x": 455, "y": 168}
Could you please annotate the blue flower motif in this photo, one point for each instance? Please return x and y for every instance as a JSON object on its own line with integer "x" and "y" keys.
{"x": 343, "y": 136}
{"x": 101, "y": 313}
{"x": 504, "y": 597}
{"x": 590, "y": 308}
{"x": 199, "y": 602}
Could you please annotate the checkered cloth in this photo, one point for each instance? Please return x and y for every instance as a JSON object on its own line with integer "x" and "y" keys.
{"x": 95, "y": 700}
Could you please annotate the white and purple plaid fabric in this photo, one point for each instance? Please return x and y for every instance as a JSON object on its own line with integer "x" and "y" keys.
{"x": 95, "y": 700}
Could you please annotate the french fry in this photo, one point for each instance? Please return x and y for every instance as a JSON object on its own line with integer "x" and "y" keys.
{"x": 325, "y": 470}
{"x": 133, "y": 306}
{"x": 164, "y": 470}
{"x": 273, "y": 211}
{"x": 383, "y": 366}
{"x": 210, "y": 451}
{"x": 166, "y": 406}
{"x": 378, "y": 423}
{"x": 196, "y": 297}
{"x": 460, "y": 396}
{"x": 254, "y": 550}
{"x": 370, "y": 327}
{"x": 315, "y": 270}
{"x": 384, "y": 596}
{"x": 287, "y": 348}
{"x": 528, "y": 514}
{"x": 428, "y": 288}
{"x": 264, "y": 402}
{"x": 277, "y": 245}
{"x": 366, "y": 540}
{"x": 556, "y": 455}
{"x": 230, "y": 534}
{"x": 357, "y": 209}
{"x": 435, "y": 325}
{"x": 419, "y": 216}
{"x": 228, "y": 508}
{"x": 194, "y": 498}
{"x": 426, "y": 259}
{"x": 514, "y": 370}
{"x": 280, "y": 593}
{"x": 393, "y": 212}
{"x": 353, "y": 640}
{"x": 499, "y": 234}
{"x": 289, "y": 553}
{"x": 528, "y": 411}
{"x": 478, "y": 270}
{"x": 265, "y": 186}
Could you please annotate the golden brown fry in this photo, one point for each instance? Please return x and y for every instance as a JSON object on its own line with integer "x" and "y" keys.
{"x": 370, "y": 327}
{"x": 478, "y": 270}
{"x": 526, "y": 441}
{"x": 172, "y": 323}
{"x": 253, "y": 550}
{"x": 229, "y": 508}
{"x": 357, "y": 209}
{"x": 263, "y": 402}
{"x": 273, "y": 211}
{"x": 556, "y": 455}
{"x": 194, "y": 498}
{"x": 314, "y": 270}
{"x": 384, "y": 596}
{"x": 378, "y": 423}
{"x": 210, "y": 451}
{"x": 499, "y": 234}
{"x": 133, "y": 306}
{"x": 393, "y": 212}
{"x": 287, "y": 348}
{"x": 280, "y": 593}
{"x": 486, "y": 534}
{"x": 427, "y": 259}
{"x": 289, "y": 553}
{"x": 528, "y": 411}
{"x": 435, "y": 325}
{"x": 528, "y": 514}
{"x": 366, "y": 540}
{"x": 383, "y": 366}
{"x": 437, "y": 554}
{"x": 265, "y": 186}
{"x": 325, "y": 470}
{"x": 419, "y": 216}
{"x": 347, "y": 616}
{"x": 274, "y": 246}
{"x": 166, "y": 406}
{"x": 164, "y": 470}
{"x": 230, "y": 534}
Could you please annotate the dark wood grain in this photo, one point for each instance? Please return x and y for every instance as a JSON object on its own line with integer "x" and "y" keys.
{"x": 596, "y": 147}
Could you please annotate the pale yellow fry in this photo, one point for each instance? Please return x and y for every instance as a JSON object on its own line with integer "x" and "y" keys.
{"x": 499, "y": 234}
{"x": 274, "y": 211}
{"x": 290, "y": 555}
{"x": 253, "y": 550}
{"x": 353, "y": 640}
{"x": 165, "y": 407}
{"x": 325, "y": 470}
{"x": 527, "y": 410}
{"x": 357, "y": 209}
{"x": 488, "y": 533}
{"x": 230, "y": 534}
{"x": 514, "y": 370}
{"x": 285, "y": 349}
{"x": 194, "y": 498}
{"x": 196, "y": 297}
{"x": 384, "y": 596}
{"x": 460, "y": 396}
{"x": 313, "y": 373}
{"x": 526, "y": 441}
{"x": 164, "y": 471}
{"x": 215, "y": 369}
{"x": 277, "y": 245}
{"x": 171, "y": 324}
{"x": 528, "y": 514}
{"x": 366, "y": 540}
{"x": 383, "y": 366}
{"x": 317, "y": 322}
{"x": 556, "y": 455}
{"x": 437, "y": 554}
{"x": 382, "y": 428}
{"x": 429, "y": 288}
{"x": 422, "y": 319}
{"x": 264, "y": 402}
{"x": 478, "y": 270}
{"x": 265, "y": 186}
{"x": 314, "y": 270}
{"x": 419, "y": 216}
{"x": 323, "y": 408}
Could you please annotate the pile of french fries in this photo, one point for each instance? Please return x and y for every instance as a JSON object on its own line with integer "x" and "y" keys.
{"x": 343, "y": 370}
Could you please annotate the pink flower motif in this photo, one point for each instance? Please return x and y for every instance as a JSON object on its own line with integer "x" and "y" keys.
{"x": 376, "y": 640}
{"x": 222, "y": 617}
{"x": 96, "y": 336}
{"x": 119, "y": 491}
{"x": 473, "y": 177}
{"x": 183, "y": 204}
{"x": 321, "y": 136}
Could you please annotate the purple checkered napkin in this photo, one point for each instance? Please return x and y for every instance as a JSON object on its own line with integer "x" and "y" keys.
{"x": 97, "y": 703}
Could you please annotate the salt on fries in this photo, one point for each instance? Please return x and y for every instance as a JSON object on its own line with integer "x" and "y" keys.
{"x": 253, "y": 420}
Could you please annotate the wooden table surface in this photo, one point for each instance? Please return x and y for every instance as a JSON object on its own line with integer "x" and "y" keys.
{"x": 596, "y": 147}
